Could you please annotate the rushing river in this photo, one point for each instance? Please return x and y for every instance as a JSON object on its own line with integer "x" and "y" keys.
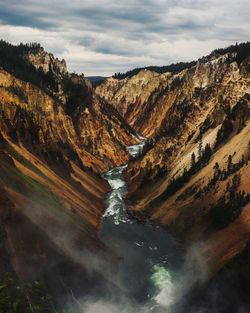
{"x": 149, "y": 255}
{"x": 151, "y": 272}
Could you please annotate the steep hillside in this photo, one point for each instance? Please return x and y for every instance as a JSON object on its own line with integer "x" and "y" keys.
{"x": 149, "y": 100}
{"x": 58, "y": 135}
{"x": 194, "y": 178}
{"x": 56, "y": 138}
{"x": 62, "y": 110}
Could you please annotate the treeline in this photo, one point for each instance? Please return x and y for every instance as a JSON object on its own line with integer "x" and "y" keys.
{"x": 29, "y": 297}
{"x": 173, "y": 68}
{"x": 222, "y": 174}
{"x": 242, "y": 51}
{"x": 229, "y": 207}
{"x": 18, "y": 92}
{"x": 196, "y": 163}
{"x": 77, "y": 95}
{"x": 12, "y": 59}
{"x": 233, "y": 117}
{"x": 224, "y": 131}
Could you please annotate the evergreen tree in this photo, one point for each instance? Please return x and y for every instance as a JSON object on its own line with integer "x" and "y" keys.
{"x": 233, "y": 188}
{"x": 224, "y": 131}
{"x": 235, "y": 182}
{"x": 229, "y": 164}
{"x": 242, "y": 161}
{"x": 193, "y": 161}
{"x": 207, "y": 152}
{"x": 200, "y": 150}
{"x": 217, "y": 171}
{"x": 249, "y": 150}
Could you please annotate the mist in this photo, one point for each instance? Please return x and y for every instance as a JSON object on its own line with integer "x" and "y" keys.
{"x": 129, "y": 267}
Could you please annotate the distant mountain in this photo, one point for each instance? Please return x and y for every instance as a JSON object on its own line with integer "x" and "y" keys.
{"x": 96, "y": 80}
{"x": 173, "y": 68}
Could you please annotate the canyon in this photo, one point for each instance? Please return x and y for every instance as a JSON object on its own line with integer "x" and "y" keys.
{"x": 148, "y": 166}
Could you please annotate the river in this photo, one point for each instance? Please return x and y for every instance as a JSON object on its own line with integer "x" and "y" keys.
{"x": 154, "y": 274}
{"x": 149, "y": 255}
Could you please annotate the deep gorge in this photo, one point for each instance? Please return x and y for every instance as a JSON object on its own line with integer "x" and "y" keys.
{"x": 96, "y": 218}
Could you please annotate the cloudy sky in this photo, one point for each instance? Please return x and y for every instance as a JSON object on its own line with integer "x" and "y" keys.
{"x": 100, "y": 37}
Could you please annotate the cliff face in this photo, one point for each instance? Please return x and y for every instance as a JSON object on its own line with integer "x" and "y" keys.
{"x": 57, "y": 135}
{"x": 197, "y": 122}
{"x": 69, "y": 115}
{"x": 47, "y": 62}
{"x": 151, "y": 101}
{"x": 56, "y": 138}
{"x": 131, "y": 96}
{"x": 176, "y": 110}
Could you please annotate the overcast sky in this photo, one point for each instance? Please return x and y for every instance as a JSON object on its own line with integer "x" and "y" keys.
{"x": 100, "y": 37}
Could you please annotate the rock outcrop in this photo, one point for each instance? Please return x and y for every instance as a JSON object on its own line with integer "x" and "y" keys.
{"x": 197, "y": 122}
{"x": 47, "y": 62}
{"x": 56, "y": 139}
{"x": 58, "y": 135}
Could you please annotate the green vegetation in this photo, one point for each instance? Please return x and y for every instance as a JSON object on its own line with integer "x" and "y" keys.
{"x": 229, "y": 207}
{"x": 77, "y": 95}
{"x": 24, "y": 298}
{"x": 13, "y": 60}
{"x": 193, "y": 160}
{"x": 241, "y": 112}
{"x": 223, "y": 174}
{"x": 18, "y": 92}
{"x": 235, "y": 117}
{"x": 37, "y": 193}
{"x": 204, "y": 155}
{"x": 224, "y": 132}
{"x": 242, "y": 51}
{"x": 175, "y": 184}
{"x": 173, "y": 68}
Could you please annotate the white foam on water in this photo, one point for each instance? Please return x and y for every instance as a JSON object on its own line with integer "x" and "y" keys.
{"x": 116, "y": 207}
{"x": 116, "y": 183}
{"x": 136, "y": 150}
{"x": 163, "y": 282}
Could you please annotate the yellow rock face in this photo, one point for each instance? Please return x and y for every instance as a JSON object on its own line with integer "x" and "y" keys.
{"x": 51, "y": 161}
{"x": 175, "y": 111}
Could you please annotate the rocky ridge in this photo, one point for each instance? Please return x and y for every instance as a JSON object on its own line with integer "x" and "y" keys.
{"x": 196, "y": 121}
{"x": 56, "y": 138}
{"x": 58, "y": 134}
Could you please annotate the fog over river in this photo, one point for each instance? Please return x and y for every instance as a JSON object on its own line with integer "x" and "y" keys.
{"x": 149, "y": 255}
{"x": 151, "y": 272}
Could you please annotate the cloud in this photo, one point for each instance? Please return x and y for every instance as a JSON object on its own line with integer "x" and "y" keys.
{"x": 100, "y": 37}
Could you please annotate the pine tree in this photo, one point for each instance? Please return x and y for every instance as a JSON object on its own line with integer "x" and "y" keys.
{"x": 193, "y": 161}
{"x": 229, "y": 164}
{"x": 217, "y": 171}
{"x": 200, "y": 149}
{"x": 249, "y": 150}
{"x": 242, "y": 161}
{"x": 207, "y": 152}
{"x": 235, "y": 184}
